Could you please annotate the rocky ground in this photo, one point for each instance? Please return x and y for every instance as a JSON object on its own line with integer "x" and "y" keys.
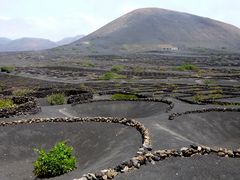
{"x": 192, "y": 117}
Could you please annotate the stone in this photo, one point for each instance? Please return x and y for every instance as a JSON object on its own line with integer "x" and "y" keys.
{"x": 187, "y": 153}
{"x": 118, "y": 168}
{"x": 125, "y": 169}
{"x": 237, "y": 155}
{"x": 238, "y": 150}
{"x": 156, "y": 158}
{"x": 163, "y": 155}
{"x": 141, "y": 160}
{"x": 105, "y": 177}
{"x": 221, "y": 154}
{"x": 99, "y": 175}
{"x": 194, "y": 146}
{"x": 230, "y": 153}
{"x": 214, "y": 150}
{"x": 207, "y": 149}
{"x": 111, "y": 174}
{"x": 176, "y": 153}
{"x": 184, "y": 149}
{"x": 147, "y": 146}
{"x": 91, "y": 176}
{"x": 135, "y": 163}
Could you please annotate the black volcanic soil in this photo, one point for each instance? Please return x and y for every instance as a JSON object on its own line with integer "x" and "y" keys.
{"x": 128, "y": 109}
{"x": 197, "y": 168}
{"x": 100, "y": 146}
{"x": 96, "y": 146}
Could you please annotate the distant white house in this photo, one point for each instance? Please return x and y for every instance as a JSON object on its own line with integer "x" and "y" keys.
{"x": 167, "y": 47}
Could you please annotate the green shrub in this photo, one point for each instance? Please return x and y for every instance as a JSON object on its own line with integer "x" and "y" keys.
{"x": 22, "y": 92}
{"x": 213, "y": 94}
{"x": 84, "y": 87}
{"x": 7, "y": 69}
{"x": 187, "y": 67}
{"x": 123, "y": 96}
{"x": 6, "y": 103}
{"x": 2, "y": 87}
{"x": 59, "y": 160}
{"x": 56, "y": 99}
{"x": 87, "y": 63}
{"x": 199, "y": 98}
{"x": 112, "y": 75}
{"x": 117, "y": 68}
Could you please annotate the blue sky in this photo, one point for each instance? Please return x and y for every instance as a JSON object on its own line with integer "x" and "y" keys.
{"x": 55, "y": 19}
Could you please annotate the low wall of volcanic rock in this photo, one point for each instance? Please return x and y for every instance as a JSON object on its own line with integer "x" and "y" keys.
{"x": 204, "y": 110}
{"x": 168, "y": 102}
{"x": 24, "y": 105}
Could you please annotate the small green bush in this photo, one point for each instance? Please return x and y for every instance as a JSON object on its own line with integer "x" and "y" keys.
{"x": 187, "y": 67}
{"x": 2, "y": 87}
{"x": 112, "y": 75}
{"x": 7, "y": 69}
{"x": 59, "y": 160}
{"x": 117, "y": 68}
{"x": 6, "y": 103}
{"x": 123, "y": 96}
{"x": 198, "y": 98}
{"x": 56, "y": 99}
{"x": 22, "y": 92}
{"x": 84, "y": 87}
{"x": 87, "y": 63}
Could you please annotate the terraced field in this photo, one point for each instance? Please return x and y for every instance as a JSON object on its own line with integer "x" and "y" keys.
{"x": 182, "y": 124}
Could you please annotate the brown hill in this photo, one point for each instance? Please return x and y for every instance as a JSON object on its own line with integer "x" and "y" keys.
{"x": 151, "y": 29}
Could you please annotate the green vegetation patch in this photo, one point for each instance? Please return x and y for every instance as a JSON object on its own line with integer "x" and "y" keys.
{"x": 216, "y": 93}
{"x": 22, "y": 92}
{"x": 56, "y": 99}
{"x": 117, "y": 68}
{"x": 6, "y": 103}
{"x": 111, "y": 76}
{"x": 84, "y": 87}
{"x": 87, "y": 63}
{"x": 187, "y": 67}
{"x": 120, "y": 96}
{"x": 2, "y": 87}
{"x": 59, "y": 160}
{"x": 7, "y": 69}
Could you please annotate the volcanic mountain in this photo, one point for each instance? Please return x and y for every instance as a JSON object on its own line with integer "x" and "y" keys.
{"x": 33, "y": 44}
{"x": 154, "y": 29}
{"x": 27, "y": 44}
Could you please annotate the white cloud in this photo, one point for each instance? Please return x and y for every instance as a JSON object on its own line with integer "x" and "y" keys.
{"x": 90, "y": 20}
{"x": 4, "y": 18}
{"x": 42, "y": 23}
{"x": 73, "y": 17}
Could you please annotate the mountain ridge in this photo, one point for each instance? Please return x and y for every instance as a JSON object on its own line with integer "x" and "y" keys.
{"x": 148, "y": 29}
{"x": 33, "y": 44}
